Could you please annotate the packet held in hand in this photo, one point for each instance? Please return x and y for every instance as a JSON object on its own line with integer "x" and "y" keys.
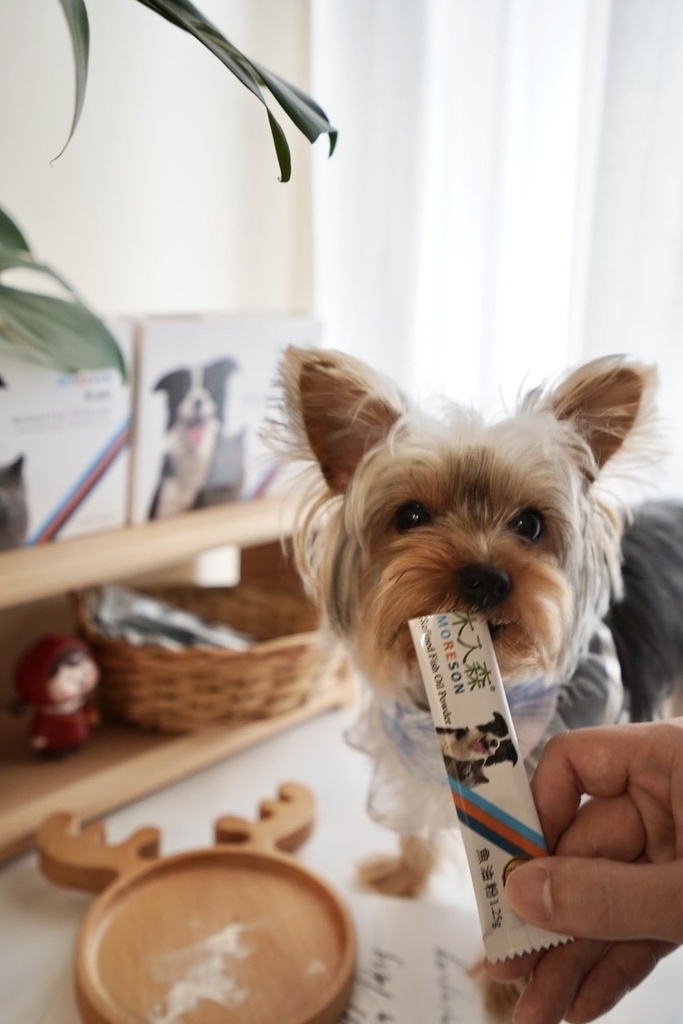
{"x": 486, "y": 774}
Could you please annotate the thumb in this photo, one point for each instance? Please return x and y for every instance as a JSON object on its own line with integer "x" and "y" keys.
{"x": 595, "y": 898}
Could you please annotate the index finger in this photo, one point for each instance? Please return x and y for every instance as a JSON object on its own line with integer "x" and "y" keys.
{"x": 610, "y": 828}
{"x": 601, "y": 762}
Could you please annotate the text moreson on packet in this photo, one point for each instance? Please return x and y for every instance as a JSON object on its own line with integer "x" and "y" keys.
{"x": 485, "y": 771}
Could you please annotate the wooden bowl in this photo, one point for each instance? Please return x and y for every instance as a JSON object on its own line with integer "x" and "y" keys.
{"x": 236, "y": 933}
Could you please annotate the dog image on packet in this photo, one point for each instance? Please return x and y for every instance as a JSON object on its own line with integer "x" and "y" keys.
{"x": 491, "y": 793}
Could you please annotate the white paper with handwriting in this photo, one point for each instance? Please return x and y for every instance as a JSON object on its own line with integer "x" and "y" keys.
{"x": 413, "y": 963}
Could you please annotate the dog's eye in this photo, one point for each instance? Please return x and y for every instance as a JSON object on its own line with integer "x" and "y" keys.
{"x": 410, "y": 516}
{"x": 528, "y": 524}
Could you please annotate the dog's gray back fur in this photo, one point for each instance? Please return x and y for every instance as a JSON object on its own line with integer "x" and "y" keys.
{"x": 647, "y": 624}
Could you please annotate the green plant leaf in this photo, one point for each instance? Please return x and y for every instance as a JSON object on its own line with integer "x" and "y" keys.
{"x": 304, "y": 112}
{"x": 13, "y": 259}
{"x": 45, "y": 329}
{"x": 77, "y": 21}
{"x": 10, "y": 236}
{"x": 54, "y": 332}
{"x": 308, "y": 117}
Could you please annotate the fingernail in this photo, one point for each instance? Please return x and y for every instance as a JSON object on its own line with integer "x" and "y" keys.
{"x": 528, "y": 890}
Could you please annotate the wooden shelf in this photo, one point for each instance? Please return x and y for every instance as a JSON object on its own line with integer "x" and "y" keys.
{"x": 120, "y": 763}
{"x": 28, "y": 574}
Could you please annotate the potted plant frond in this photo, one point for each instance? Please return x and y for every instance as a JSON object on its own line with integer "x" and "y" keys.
{"x": 49, "y": 323}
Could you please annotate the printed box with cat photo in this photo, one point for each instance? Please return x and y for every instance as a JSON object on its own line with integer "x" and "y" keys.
{"x": 64, "y": 449}
{"x": 202, "y": 390}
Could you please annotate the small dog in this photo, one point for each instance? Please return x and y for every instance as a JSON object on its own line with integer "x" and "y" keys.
{"x": 467, "y": 751}
{"x": 195, "y": 405}
{"x": 408, "y": 515}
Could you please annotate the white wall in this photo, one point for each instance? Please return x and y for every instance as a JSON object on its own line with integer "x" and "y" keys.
{"x": 167, "y": 198}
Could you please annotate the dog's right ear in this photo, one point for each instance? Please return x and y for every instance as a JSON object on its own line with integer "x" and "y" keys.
{"x": 337, "y": 408}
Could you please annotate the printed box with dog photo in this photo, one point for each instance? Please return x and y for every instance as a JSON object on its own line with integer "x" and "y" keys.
{"x": 64, "y": 449}
{"x": 203, "y": 384}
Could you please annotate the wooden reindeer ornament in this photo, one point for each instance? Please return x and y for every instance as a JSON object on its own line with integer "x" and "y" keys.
{"x": 235, "y": 933}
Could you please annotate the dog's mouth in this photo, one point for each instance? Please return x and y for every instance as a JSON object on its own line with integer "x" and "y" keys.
{"x": 481, "y": 746}
{"x": 195, "y": 429}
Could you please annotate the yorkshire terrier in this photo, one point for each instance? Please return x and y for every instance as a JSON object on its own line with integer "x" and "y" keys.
{"x": 408, "y": 514}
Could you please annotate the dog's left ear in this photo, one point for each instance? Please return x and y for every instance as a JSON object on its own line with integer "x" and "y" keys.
{"x": 605, "y": 400}
{"x": 338, "y": 408}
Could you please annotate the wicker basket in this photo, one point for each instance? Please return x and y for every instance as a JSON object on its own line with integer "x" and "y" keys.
{"x": 180, "y": 691}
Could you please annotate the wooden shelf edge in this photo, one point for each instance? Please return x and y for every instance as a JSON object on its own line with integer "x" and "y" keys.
{"x": 166, "y": 760}
{"x": 28, "y": 574}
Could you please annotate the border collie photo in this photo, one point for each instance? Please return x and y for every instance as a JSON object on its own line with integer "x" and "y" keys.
{"x": 201, "y": 465}
{"x": 467, "y": 752}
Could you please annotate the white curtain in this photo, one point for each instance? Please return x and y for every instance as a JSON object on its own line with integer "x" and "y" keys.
{"x": 507, "y": 195}
{"x": 634, "y": 260}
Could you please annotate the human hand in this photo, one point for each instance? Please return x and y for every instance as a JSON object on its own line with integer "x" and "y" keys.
{"x": 617, "y": 874}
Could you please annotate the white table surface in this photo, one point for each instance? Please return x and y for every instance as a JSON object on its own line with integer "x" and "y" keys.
{"x": 39, "y": 922}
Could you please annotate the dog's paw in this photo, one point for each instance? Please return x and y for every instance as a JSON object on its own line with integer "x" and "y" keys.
{"x": 402, "y": 874}
{"x": 500, "y": 998}
{"x": 390, "y": 876}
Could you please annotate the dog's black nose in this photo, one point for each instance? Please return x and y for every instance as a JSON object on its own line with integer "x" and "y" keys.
{"x": 484, "y": 586}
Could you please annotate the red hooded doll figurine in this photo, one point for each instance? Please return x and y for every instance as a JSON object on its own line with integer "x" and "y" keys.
{"x": 54, "y": 676}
